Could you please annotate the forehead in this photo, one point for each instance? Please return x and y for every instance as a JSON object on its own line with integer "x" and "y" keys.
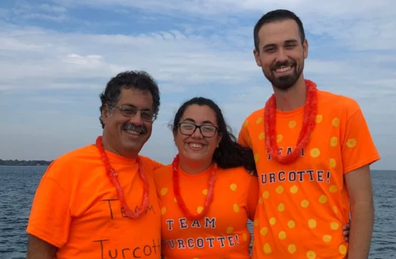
{"x": 199, "y": 113}
{"x": 138, "y": 98}
{"x": 278, "y": 32}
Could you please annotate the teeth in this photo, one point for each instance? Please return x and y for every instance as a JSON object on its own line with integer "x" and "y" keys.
{"x": 195, "y": 145}
{"x": 133, "y": 132}
{"x": 283, "y": 69}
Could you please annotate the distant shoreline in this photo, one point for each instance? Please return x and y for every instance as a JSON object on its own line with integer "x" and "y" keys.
{"x": 17, "y": 162}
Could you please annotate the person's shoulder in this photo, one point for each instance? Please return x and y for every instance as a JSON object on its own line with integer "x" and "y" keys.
{"x": 150, "y": 164}
{"x": 146, "y": 159}
{"x": 163, "y": 170}
{"x": 334, "y": 99}
{"x": 76, "y": 154}
{"x": 237, "y": 178}
{"x": 340, "y": 105}
{"x": 254, "y": 116}
{"x": 256, "y": 113}
{"x": 239, "y": 173}
{"x": 71, "y": 159}
{"x": 163, "y": 174}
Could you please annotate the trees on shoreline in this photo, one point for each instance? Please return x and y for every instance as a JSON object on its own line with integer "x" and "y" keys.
{"x": 17, "y": 162}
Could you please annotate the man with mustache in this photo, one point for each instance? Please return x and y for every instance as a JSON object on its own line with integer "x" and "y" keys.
{"x": 100, "y": 201}
{"x": 313, "y": 152}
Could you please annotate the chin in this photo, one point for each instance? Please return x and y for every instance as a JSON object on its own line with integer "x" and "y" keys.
{"x": 195, "y": 156}
{"x": 284, "y": 82}
{"x": 133, "y": 147}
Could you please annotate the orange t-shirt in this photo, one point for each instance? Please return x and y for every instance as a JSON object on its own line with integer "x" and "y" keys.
{"x": 305, "y": 204}
{"x": 76, "y": 208}
{"x": 223, "y": 232}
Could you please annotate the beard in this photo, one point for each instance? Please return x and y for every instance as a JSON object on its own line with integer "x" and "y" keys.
{"x": 283, "y": 83}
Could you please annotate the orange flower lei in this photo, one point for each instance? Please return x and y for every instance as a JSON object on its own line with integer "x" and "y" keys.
{"x": 179, "y": 199}
{"x": 112, "y": 174}
{"x": 310, "y": 111}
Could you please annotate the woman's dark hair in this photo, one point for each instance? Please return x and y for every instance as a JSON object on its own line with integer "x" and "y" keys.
{"x": 229, "y": 153}
{"x": 127, "y": 80}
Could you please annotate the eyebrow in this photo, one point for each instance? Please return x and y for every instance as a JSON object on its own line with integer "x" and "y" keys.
{"x": 274, "y": 45}
{"x": 193, "y": 121}
{"x": 133, "y": 106}
{"x": 269, "y": 45}
{"x": 291, "y": 41}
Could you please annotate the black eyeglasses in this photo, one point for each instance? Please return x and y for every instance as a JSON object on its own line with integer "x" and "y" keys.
{"x": 130, "y": 111}
{"x": 188, "y": 129}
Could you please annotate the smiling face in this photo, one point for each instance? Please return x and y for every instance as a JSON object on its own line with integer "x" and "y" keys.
{"x": 281, "y": 53}
{"x": 124, "y": 134}
{"x": 197, "y": 149}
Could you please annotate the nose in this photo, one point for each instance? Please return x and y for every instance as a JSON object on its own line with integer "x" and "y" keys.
{"x": 281, "y": 57}
{"x": 197, "y": 134}
{"x": 137, "y": 119}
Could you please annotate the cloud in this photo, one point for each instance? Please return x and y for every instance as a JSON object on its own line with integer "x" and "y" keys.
{"x": 171, "y": 56}
{"x": 357, "y": 25}
{"x": 52, "y": 8}
{"x": 174, "y": 56}
{"x": 23, "y": 10}
{"x": 52, "y": 74}
{"x": 14, "y": 44}
{"x": 3, "y": 12}
{"x": 39, "y": 16}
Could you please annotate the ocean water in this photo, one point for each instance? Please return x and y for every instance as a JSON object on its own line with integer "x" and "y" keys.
{"x": 18, "y": 185}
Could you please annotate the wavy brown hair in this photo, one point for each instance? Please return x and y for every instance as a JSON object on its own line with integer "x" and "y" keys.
{"x": 229, "y": 154}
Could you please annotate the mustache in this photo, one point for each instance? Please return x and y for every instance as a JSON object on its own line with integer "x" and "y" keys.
{"x": 140, "y": 129}
{"x": 282, "y": 64}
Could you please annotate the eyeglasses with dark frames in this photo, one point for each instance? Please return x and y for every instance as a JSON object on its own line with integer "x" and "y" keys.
{"x": 188, "y": 129}
{"x": 130, "y": 111}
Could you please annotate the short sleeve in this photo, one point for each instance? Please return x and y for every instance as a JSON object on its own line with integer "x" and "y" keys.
{"x": 153, "y": 165}
{"x": 160, "y": 178}
{"x": 156, "y": 165}
{"x": 358, "y": 148}
{"x": 252, "y": 197}
{"x": 243, "y": 137}
{"x": 50, "y": 213}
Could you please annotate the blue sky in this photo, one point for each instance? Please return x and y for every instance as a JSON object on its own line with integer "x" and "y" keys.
{"x": 56, "y": 57}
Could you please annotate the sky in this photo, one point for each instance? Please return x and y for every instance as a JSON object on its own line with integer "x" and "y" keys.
{"x": 56, "y": 57}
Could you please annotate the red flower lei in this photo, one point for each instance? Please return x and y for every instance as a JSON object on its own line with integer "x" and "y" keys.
{"x": 310, "y": 111}
{"x": 179, "y": 199}
{"x": 112, "y": 174}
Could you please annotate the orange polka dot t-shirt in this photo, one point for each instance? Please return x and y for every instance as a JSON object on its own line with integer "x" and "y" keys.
{"x": 306, "y": 203}
{"x": 222, "y": 232}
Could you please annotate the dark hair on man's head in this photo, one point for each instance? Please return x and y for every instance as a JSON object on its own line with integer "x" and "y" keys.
{"x": 279, "y": 15}
{"x": 229, "y": 154}
{"x": 129, "y": 80}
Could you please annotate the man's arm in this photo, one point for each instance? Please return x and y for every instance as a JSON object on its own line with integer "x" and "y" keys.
{"x": 358, "y": 183}
{"x": 39, "y": 249}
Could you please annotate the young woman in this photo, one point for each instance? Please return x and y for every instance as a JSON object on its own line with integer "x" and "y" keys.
{"x": 206, "y": 194}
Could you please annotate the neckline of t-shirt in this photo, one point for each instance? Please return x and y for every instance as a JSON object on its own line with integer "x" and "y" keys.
{"x": 197, "y": 175}
{"x": 113, "y": 157}
{"x": 292, "y": 113}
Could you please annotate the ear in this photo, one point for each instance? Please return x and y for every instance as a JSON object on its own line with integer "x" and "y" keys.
{"x": 305, "y": 48}
{"x": 257, "y": 57}
{"x": 105, "y": 113}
